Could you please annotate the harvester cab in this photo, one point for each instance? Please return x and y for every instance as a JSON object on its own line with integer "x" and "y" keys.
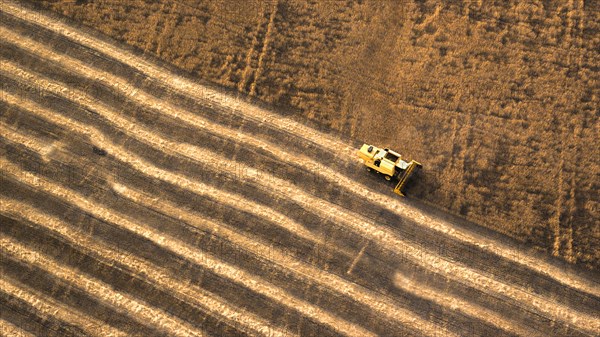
{"x": 388, "y": 163}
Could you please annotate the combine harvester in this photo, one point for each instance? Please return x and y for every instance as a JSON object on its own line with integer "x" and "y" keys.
{"x": 388, "y": 163}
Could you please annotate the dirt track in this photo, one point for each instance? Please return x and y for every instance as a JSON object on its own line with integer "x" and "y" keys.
{"x": 111, "y": 171}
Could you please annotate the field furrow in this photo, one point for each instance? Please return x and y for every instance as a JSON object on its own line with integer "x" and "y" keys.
{"x": 180, "y": 83}
{"x": 337, "y": 284}
{"x": 291, "y": 263}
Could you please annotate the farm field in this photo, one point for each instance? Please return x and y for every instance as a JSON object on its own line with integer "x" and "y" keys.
{"x": 499, "y": 99}
{"x": 137, "y": 201}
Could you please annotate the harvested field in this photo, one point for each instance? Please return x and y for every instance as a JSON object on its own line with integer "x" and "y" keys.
{"x": 499, "y": 100}
{"x": 136, "y": 201}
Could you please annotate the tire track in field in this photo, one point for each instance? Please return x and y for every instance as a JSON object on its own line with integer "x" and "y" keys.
{"x": 433, "y": 261}
{"x": 142, "y": 268}
{"x": 192, "y": 89}
{"x": 138, "y": 310}
{"x": 184, "y": 250}
{"x": 430, "y": 261}
{"x": 48, "y": 307}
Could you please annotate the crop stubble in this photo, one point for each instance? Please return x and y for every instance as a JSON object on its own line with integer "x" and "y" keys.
{"x": 147, "y": 163}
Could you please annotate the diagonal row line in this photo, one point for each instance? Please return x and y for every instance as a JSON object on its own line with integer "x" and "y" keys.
{"x": 353, "y": 221}
{"x": 350, "y": 220}
{"x": 188, "y": 252}
{"x": 337, "y": 284}
{"x": 47, "y": 307}
{"x": 142, "y": 268}
{"x": 140, "y": 311}
{"x": 176, "y": 82}
{"x": 223, "y": 197}
{"x": 356, "y": 292}
{"x": 279, "y": 257}
{"x": 456, "y": 303}
{"x": 9, "y": 329}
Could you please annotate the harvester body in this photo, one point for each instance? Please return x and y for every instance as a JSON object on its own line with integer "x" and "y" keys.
{"x": 388, "y": 163}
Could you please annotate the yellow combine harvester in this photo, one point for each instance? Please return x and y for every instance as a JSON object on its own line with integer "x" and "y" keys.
{"x": 388, "y": 163}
